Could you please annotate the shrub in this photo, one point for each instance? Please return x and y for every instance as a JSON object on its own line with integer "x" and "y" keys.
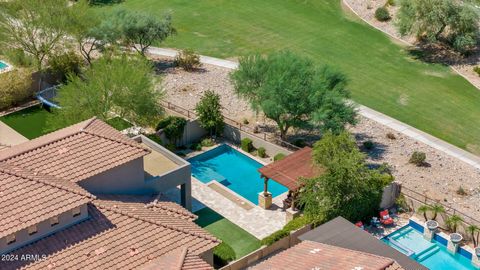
{"x": 14, "y": 88}
{"x": 461, "y": 191}
{"x": 207, "y": 142}
{"x": 293, "y": 225}
{"x": 17, "y": 57}
{"x": 223, "y": 254}
{"x": 391, "y": 3}
{"x": 245, "y": 121}
{"x": 247, "y": 145}
{"x": 64, "y": 64}
{"x": 262, "y": 152}
{"x": 418, "y": 158}
{"x": 369, "y": 145}
{"x": 279, "y": 156}
{"x": 382, "y": 14}
{"x": 477, "y": 70}
{"x": 155, "y": 138}
{"x": 196, "y": 147}
{"x": 391, "y": 136}
{"x": 188, "y": 60}
{"x": 173, "y": 127}
{"x": 171, "y": 147}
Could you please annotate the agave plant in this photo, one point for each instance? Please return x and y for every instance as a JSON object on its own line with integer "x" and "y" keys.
{"x": 474, "y": 231}
{"x": 452, "y": 222}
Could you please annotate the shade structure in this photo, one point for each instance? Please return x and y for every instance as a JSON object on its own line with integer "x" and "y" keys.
{"x": 292, "y": 168}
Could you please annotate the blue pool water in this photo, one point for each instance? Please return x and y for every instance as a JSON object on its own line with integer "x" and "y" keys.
{"x": 234, "y": 170}
{"x": 3, "y": 65}
{"x": 433, "y": 255}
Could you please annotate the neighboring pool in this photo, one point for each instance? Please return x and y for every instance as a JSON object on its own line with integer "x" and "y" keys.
{"x": 3, "y": 66}
{"x": 433, "y": 255}
{"x": 234, "y": 170}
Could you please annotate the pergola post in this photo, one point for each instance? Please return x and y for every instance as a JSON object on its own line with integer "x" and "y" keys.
{"x": 265, "y": 197}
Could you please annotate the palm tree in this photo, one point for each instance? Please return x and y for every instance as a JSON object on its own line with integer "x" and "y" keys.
{"x": 472, "y": 229}
{"x": 452, "y": 222}
{"x": 437, "y": 209}
{"x": 424, "y": 209}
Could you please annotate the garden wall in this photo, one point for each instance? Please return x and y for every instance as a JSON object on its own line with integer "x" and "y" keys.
{"x": 194, "y": 133}
{"x": 390, "y": 195}
{"x": 265, "y": 251}
{"x": 415, "y": 200}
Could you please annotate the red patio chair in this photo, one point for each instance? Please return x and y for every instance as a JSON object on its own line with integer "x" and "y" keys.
{"x": 360, "y": 225}
{"x": 385, "y": 218}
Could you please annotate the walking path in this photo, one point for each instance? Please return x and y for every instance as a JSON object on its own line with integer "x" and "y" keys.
{"x": 394, "y": 124}
{"x": 9, "y": 137}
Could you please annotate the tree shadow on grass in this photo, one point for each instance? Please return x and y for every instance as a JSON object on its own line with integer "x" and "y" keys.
{"x": 438, "y": 53}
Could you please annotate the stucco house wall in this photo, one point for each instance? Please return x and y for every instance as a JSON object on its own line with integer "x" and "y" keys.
{"x": 127, "y": 178}
{"x": 44, "y": 229}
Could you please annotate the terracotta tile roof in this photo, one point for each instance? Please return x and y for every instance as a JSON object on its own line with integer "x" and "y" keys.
{"x": 120, "y": 234}
{"x": 180, "y": 259}
{"x": 3, "y": 146}
{"x": 28, "y": 198}
{"x": 309, "y": 255}
{"x": 76, "y": 152}
{"x": 293, "y": 167}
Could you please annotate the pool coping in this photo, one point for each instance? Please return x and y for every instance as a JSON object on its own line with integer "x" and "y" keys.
{"x": 414, "y": 223}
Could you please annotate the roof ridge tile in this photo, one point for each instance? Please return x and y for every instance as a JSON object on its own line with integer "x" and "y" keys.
{"x": 37, "y": 179}
{"x": 104, "y": 206}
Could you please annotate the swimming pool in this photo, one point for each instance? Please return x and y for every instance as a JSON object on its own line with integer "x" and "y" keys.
{"x": 433, "y": 255}
{"x": 234, "y": 170}
{"x": 3, "y": 66}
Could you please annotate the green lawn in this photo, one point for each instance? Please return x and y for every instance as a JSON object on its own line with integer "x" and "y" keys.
{"x": 240, "y": 240}
{"x": 382, "y": 74}
{"x": 29, "y": 122}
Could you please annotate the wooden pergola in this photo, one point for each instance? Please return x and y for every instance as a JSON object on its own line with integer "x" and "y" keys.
{"x": 290, "y": 170}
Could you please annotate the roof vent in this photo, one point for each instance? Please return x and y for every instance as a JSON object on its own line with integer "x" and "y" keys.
{"x": 315, "y": 250}
{"x": 133, "y": 251}
{"x": 358, "y": 268}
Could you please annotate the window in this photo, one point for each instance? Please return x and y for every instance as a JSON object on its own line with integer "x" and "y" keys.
{"x": 76, "y": 211}
{"x": 32, "y": 229}
{"x": 11, "y": 239}
{"x": 53, "y": 221}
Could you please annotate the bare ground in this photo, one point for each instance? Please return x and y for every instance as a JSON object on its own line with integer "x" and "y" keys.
{"x": 439, "y": 179}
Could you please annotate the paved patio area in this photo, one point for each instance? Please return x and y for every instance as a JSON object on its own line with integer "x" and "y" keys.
{"x": 257, "y": 221}
{"x": 9, "y": 136}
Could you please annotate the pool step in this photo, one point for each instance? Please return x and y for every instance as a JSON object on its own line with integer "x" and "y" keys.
{"x": 427, "y": 253}
{"x": 401, "y": 233}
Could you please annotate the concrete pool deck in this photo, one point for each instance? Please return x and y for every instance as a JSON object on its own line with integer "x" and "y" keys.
{"x": 10, "y": 137}
{"x": 256, "y": 221}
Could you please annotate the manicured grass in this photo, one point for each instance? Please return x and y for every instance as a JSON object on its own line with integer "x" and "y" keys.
{"x": 240, "y": 240}
{"x": 29, "y": 122}
{"x": 382, "y": 74}
{"x": 118, "y": 123}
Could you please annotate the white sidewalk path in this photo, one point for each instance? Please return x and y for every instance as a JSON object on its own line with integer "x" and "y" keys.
{"x": 364, "y": 111}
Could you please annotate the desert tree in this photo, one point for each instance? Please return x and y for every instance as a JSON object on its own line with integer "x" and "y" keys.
{"x": 293, "y": 92}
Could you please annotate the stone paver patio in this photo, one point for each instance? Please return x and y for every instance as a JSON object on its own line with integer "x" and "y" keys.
{"x": 256, "y": 221}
